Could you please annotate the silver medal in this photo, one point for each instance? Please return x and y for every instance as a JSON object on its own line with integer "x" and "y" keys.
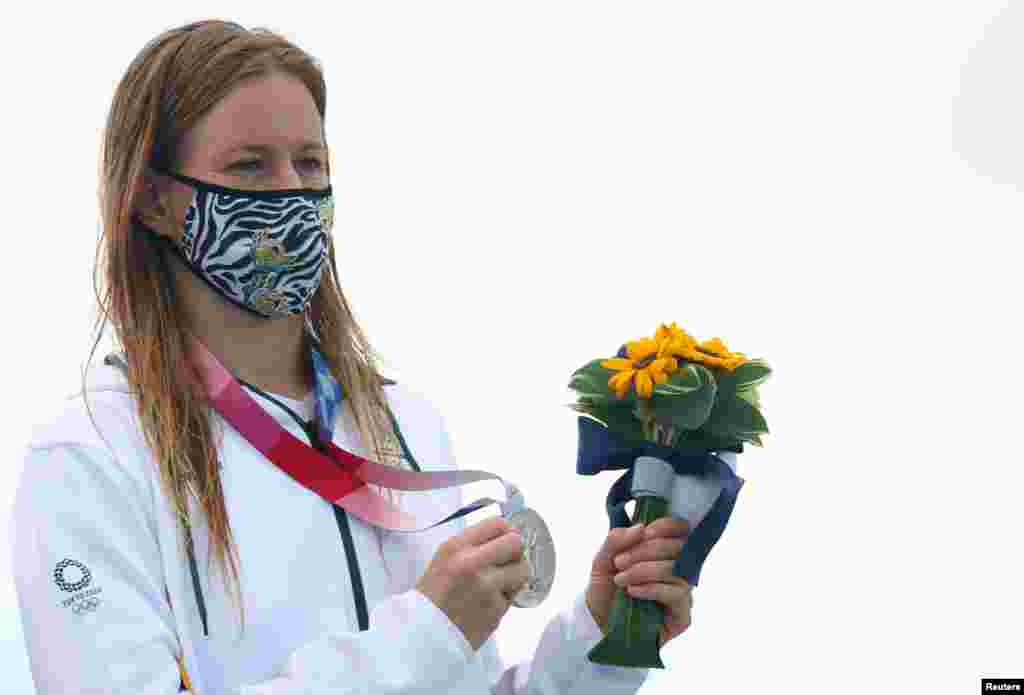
{"x": 539, "y": 550}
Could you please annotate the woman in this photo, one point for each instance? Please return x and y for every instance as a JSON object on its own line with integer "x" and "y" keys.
{"x": 216, "y": 210}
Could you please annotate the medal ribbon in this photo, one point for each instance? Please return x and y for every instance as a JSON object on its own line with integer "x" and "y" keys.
{"x": 336, "y": 475}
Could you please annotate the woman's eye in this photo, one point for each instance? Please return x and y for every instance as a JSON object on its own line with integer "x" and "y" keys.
{"x": 311, "y": 162}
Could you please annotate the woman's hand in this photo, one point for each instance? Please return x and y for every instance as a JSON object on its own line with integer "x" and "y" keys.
{"x": 642, "y": 558}
{"x": 473, "y": 575}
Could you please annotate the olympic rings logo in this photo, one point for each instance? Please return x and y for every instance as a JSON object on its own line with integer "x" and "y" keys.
{"x": 58, "y": 576}
{"x": 89, "y": 604}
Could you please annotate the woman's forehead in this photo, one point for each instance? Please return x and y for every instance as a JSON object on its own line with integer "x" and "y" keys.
{"x": 266, "y": 113}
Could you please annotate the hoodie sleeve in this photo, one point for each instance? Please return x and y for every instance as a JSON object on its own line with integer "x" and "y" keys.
{"x": 559, "y": 665}
{"x": 89, "y": 579}
{"x": 91, "y": 594}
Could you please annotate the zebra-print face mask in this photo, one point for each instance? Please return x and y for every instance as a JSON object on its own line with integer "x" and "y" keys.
{"x": 262, "y": 250}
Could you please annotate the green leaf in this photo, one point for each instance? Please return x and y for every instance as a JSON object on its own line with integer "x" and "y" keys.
{"x": 751, "y": 396}
{"x": 751, "y": 374}
{"x": 686, "y": 412}
{"x": 727, "y": 384}
{"x": 583, "y": 408}
{"x": 589, "y": 385}
{"x": 617, "y": 416}
{"x": 591, "y": 378}
{"x": 734, "y": 417}
{"x": 754, "y": 439}
{"x": 687, "y": 379}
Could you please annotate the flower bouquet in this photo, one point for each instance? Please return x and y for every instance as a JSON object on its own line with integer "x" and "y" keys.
{"x": 667, "y": 409}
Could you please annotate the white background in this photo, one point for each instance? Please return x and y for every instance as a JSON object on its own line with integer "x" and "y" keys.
{"x": 522, "y": 187}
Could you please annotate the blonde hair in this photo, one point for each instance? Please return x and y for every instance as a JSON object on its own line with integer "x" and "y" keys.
{"x": 172, "y": 83}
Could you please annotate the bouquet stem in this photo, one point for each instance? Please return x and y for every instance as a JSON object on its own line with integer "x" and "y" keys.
{"x": 634, "y": 624}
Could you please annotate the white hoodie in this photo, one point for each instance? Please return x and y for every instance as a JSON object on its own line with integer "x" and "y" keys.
{"x": 108, "y": 602}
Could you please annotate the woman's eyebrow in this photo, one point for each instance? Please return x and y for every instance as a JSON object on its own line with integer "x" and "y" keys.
{"x": 304, "y": 146}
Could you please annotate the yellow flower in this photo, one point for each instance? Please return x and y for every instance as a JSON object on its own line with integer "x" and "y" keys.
{"x": 648, "y": 363}
{"x": 674, "y": 334}
{"x": 710, "y": 353}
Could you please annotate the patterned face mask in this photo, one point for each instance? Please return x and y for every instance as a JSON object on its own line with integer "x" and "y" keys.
{"x": 264, "y": 251}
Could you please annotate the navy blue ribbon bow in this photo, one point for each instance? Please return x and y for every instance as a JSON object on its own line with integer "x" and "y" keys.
{"x": 601, "y": 449}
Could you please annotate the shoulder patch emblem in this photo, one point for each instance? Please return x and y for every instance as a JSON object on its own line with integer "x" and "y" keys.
{"x": 80, "y": 575}
{"x": 73, "y": 577}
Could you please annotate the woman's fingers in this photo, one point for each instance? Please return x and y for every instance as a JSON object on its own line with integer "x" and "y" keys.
{"x": 669, "y": 595}
{"x": 676, "y": 600}
{"x": 656, "y": 549}
{"x": 647, "y": 572}
{"x": 667, "y": 526}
